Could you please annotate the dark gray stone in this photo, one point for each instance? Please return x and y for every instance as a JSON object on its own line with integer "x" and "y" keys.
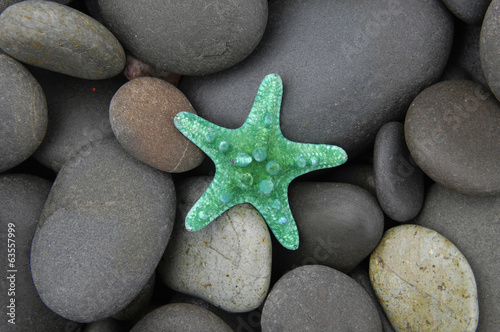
{"x": 22, "y": 198}
{"x": 339, "y": 225}
{"x": 319, "y": 298}
{"x": 181, "y": 317}
{"x": 472, "y": 224}
{"x": 53, "y": 36}
{"x": 347, "y": 68}
{"x": 451, "y": 130}
{"x": 187, "y": 37}
{"x": 23, "y": 113}
{"x": 78, "y": 113}
{"x": 489, "y": 46}
{"x": 102, "y": 232}
{"x": 359, "y": 174}
{"x": 398, "y": 180}
{"x": 469, "y": 11}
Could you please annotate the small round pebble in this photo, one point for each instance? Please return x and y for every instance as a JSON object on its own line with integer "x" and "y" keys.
{"x": 23, "y": 113}
{"x": 469, "y": 11}
{"x": 489, "y": 46}
{"x": 78, "y": 114}
{"x": 473, "y": 225}
{"x": 319, "y": 298}
{"x": 423, "y": 281}
{"x": 142, "y": 115}
{"x": 339, "y": 225}
{"x": 227, "y": 263}
{"x": 451, "y": 130}
{"x": 181, "y": 317}
{"x": 22, "y": 198}
{"x": 53, "y": 36}
{"x": 102, "y": 232}
{"x": 399, "y": 181}
{"x": 187, "y": 37}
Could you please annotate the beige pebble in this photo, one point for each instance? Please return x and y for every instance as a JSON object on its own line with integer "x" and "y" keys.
{"x": 423, "y": 281}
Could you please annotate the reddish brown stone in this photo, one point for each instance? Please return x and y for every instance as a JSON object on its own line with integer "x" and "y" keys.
{"x": 141, "y": 115}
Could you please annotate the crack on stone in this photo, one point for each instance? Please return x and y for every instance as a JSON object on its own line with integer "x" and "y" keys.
{"x": 182, "y": 157}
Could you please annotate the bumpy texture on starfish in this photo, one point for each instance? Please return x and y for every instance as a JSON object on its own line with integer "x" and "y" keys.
{"x": 255, "y": 164}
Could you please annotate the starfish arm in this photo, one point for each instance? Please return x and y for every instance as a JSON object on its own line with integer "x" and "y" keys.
{"x": 276, "y": 211}
{"x": 265, "y": 113}
{"x": 206, "y": 135}
{"x": 214, "y": 202}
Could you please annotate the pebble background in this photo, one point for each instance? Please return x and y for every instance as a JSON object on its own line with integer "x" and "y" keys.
{"x": 97, "y": 180}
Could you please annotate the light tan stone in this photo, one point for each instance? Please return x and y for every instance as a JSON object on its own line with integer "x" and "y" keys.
{"x": 423, "y": 281}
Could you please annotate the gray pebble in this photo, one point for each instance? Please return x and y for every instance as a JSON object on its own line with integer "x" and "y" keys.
{"x": 187, "y": 37}
{"x": 181, "y": 317}
{"x": 102, "y": 232}
{"x": 59, "y": 38}
{"x": 473, "y": 225}
{"x": 399, "y": 182}
{"x": 319, "y": 298}
{"x": 23, "y": 113}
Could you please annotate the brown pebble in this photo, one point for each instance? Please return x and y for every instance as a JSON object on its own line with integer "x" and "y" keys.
{"x": 141, "y": 115}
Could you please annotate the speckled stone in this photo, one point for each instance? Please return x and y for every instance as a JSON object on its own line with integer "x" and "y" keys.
{"x": 227, "y": 263}
{"x": 319, "y": 298}
{"x": 399, "y": 181}
{"x": 22, "y": 198}
{"x": 489, "y": 46}
{"x": 53, "y": 36}
{"x": 469, "y": 11}
{"x": 181, "y": 317}
{"x": 23, "y": 113}
{"x": 78, "y": 112}
{"x": 347, "y": 68}
{"x": 187, "y": 37}
{"x": 473, "y": 225}
{"x": 142, "y": 118}
{"x": 423, "y": 281}
{"x": 451, "y": 130}
{"x": 339, "y": 225}
{"x": 102, "y": 232}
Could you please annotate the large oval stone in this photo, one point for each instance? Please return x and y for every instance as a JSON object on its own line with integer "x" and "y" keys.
{"x": 59, "y": 38}
{"x": 23, "y": 113}
{"x": 347, "y": 68}
{"x": 104, "y": 227}
{"x": 187, "y": 37}
{"x": 142, "y": 115}
{"x": 473, "y": 224}
{"x": 339, "y": 225}
{"x": 423, "y": 281}
{"x": 319, "y": 298}
{"x": 451, "y": 130}
{"x": 227, "y": 263}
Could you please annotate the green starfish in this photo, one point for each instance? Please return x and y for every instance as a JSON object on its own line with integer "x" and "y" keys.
{"x": 255, "y": 164}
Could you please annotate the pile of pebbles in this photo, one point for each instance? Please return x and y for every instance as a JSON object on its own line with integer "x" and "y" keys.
{"x": 97, "y": 180}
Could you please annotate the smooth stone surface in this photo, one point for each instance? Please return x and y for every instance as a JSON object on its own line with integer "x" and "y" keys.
{"x": 181, "y": 317}
{"x": 399, "y": 181}
{"x": 469, "y": 11}
{"x": 56, "y": 37}
{"x": 451, "y": 130}
{"x": 489, "y": 46}
{"x": 22, "y": 198}
{"x": 339, "y": 225}
{"x": 227, "y": 263}
{"x": 381, "y": 52}
{"x": 319, "y": 298}
{"x": 102, "y": 232}
{"x": 78, "y": 112}
{"x": 423, "y": 281}
{"x": 473, "y": 225}
{"x": 139, "y": 304}
{"x": 142, "y": 118}
{"x": 188, "y": 37}
{"x": 23, "y": 113}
